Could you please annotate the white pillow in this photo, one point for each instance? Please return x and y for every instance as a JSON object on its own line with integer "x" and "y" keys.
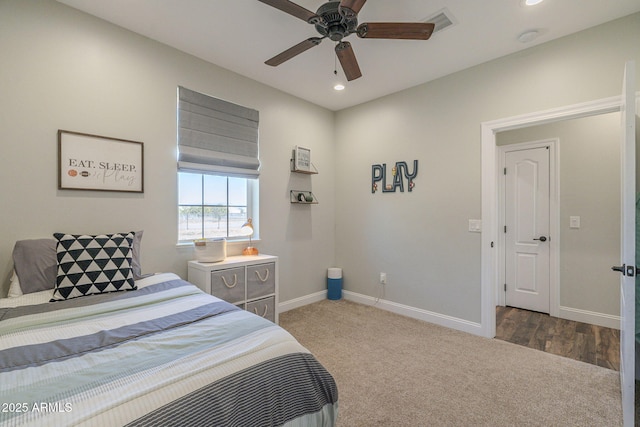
{"x": 14, "y": 289}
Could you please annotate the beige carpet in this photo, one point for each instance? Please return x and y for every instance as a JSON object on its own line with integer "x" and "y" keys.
{"x": 396, "y": 371}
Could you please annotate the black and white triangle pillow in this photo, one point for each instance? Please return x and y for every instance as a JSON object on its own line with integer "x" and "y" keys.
{"x": 93, "y": 264}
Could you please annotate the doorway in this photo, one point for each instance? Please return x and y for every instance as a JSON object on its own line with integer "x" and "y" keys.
{"x": 491, "y": 248}
{"x": 578, "y": 199}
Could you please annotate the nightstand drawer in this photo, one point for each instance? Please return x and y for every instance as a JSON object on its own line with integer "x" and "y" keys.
{"x": 228, "y": 284}
{"x": 264, "y": 308}
{"x": 261, "y": 280}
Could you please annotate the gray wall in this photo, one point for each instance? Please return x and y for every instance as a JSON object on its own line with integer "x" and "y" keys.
{"x": 63, "y": 69}
{"x": 589, "y": 162}
{"x": 421, "y": 239}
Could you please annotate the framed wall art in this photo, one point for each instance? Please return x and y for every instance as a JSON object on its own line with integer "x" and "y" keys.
{"x": 99, "y": 163}
{"x": 302, "y": 159}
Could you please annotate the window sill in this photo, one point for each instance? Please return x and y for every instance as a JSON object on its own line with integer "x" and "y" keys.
{"x": 233, "y": 244}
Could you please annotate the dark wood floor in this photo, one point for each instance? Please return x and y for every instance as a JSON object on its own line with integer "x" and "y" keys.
{"x": 589, "y": 343}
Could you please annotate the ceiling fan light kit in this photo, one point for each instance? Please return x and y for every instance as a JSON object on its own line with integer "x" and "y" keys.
{"x": 337, "y": 19}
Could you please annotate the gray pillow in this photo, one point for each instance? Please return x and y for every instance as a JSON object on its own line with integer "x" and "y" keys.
{"x": 135, "y": 260}
{"x": 36, "y": 264}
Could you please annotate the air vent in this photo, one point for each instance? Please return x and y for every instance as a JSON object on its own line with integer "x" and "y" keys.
{"x": 442, "y": 19}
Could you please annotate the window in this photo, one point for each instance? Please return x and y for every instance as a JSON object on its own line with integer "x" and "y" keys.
{"x": 211, "y": 206}
{"x": 218, "y": 167}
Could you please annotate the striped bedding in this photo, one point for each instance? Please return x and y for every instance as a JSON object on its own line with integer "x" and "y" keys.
{"x": 165, "y": 354}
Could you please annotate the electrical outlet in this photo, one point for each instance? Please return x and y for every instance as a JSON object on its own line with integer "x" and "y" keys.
{"x": 383, "y": 278}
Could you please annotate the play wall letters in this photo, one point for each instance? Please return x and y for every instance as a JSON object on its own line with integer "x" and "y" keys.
{"x": 399, "y": 173}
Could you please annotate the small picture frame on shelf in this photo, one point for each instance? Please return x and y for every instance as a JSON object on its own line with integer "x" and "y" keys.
{"x": 301, "y": 159}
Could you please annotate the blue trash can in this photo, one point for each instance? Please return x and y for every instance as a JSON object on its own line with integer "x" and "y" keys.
{"x": 334, "y": 283}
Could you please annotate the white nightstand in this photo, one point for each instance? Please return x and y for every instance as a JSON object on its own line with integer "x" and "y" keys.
{"x": 250, "y": 282}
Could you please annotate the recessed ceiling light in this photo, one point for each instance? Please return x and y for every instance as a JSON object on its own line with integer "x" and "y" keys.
{"x": 338, "y": 86}
{"x": 532, "y": 2}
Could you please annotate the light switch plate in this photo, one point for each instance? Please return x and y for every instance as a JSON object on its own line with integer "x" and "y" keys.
{"x": 475, "y": 225}
{"x": 574, "y": 222}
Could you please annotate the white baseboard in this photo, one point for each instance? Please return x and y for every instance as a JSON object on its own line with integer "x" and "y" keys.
{"x": 416, "y": 313}
{"x": 301, "y": 301}
{"x": 591, "y": 317}
{"x": 405, "y": 310}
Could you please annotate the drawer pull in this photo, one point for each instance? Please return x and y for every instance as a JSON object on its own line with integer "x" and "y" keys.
{"x": 266, "y": 308}
{"x": 266, "y": 276}
{"x": 235, "y": 281}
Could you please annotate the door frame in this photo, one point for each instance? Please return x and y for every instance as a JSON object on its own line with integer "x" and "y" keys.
{"x": 554, "y": 220}
{"x": 490, "y": 242}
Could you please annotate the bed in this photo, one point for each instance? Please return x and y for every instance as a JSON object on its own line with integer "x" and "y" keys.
{"x": 163, "y": 354}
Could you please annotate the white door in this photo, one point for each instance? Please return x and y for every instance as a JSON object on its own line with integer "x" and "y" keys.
{"x": 527, "y": 222}
{"x": 628, "y": 267}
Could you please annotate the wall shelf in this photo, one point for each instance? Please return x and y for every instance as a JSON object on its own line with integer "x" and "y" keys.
{"x": 302, "y": 197}
{"x": 296, "y": 195}
{"x": 293, "y": 169}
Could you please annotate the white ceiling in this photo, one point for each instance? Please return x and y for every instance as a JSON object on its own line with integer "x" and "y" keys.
{"x": 240, "y": 35}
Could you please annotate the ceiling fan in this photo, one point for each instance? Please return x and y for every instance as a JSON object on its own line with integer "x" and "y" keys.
{"x": 337, "y": 19}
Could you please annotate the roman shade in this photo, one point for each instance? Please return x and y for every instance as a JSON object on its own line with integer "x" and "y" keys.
{"x": 216, "y": 137}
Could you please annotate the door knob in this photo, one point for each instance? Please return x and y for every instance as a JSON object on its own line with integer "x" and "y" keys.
{"x": 542, "y": 239}
{"x": 626, "y": 270}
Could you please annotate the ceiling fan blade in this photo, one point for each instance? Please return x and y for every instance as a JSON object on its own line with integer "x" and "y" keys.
{"x": 293, "y": 51}
{"x": 293, "y": 9}
{"x": 348, "y": 60}
{"x": 395, "y": 30}
{"x": 351, "y": 7}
